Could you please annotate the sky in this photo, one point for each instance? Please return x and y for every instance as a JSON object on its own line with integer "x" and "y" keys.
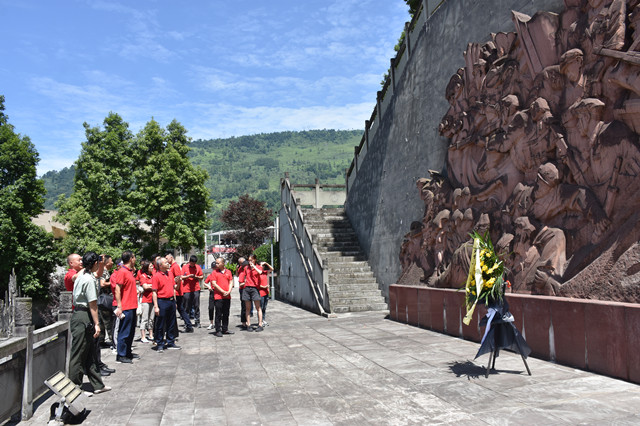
{"x": 221, "y": 68}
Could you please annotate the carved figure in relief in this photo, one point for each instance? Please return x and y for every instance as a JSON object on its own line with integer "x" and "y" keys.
{"x": 571, "y": 67}
{"x": 543, "y": 127}
{"x": 602, "y": 156}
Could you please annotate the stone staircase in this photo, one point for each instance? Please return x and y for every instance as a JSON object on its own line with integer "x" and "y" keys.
{"x": 352, "y": 285}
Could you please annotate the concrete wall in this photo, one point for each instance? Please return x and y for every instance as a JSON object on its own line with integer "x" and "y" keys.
{"x": 294, "y": 285}
{"x": 382, "y": 198}
{"x": 603, "y": 337}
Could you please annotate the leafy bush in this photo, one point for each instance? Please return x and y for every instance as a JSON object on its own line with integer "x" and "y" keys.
{"x": 263, "y": 253}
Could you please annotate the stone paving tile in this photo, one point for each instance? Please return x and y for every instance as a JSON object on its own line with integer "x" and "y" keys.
{"x": 357, "y": 369}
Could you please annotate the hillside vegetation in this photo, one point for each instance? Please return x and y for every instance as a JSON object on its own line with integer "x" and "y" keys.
{"x": 253, "y": 164}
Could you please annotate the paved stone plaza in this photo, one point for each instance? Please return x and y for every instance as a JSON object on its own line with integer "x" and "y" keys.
{"x": 356, "y": 369}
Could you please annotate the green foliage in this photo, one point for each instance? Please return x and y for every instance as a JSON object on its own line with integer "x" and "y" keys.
{"x": 169, "y": 192}
{"x": 98, "y": 212}
{"x": 414, "y": 6}
{"x": 122, "y": 181}
{"x": 233, "y": 267}
{"x": 250, "y": 218}
{"x": 263, "y": 253}
{"x": 58, "y": 183}
{"x": 26, "y": 248}
{"x": 256, "y": 163}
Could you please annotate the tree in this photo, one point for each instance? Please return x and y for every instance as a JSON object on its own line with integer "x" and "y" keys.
{"x": 98, "y": 212}
{"x": 249, "y": 218}
{"x": 414, "y": 6}
{"x": 26, "y": 248}
{"x": 170, "y": 193}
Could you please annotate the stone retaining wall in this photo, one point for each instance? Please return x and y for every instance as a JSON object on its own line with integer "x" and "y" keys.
{"x": 404, "y": 142}
{"x": 603, "y": 337}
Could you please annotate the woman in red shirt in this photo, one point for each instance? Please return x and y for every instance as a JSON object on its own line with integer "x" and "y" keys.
{"x": 146, "y": 324}
{"x": 264, "y": 290}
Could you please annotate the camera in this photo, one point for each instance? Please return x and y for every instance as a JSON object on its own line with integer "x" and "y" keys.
{"x": 99, "y": 258}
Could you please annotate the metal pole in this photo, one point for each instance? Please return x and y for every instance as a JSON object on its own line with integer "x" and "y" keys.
{"x": 275, "y": 233}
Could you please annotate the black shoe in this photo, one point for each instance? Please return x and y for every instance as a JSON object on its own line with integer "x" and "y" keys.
{"x": 123, "y": 360}
{"x": 189, "y": 330}
{"x": 104, "y": 373}
{"x": 158, "y": 349}
{"x": 249, "y": 328}
{"x": 217, "y": 334}
{"x": 107, "y": 369}
{"x": 259, "y": 328}
{"x": 134, "y": 356}
{"x": 243, "y": 327}
{"x": 173, "y": 347}
{"x": 228, "y": 332}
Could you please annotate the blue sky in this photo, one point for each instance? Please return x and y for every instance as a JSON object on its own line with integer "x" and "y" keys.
{"x": 221, "y": 68}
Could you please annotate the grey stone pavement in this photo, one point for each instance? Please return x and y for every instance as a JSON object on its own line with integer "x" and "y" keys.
{"x": 356, "y": 369}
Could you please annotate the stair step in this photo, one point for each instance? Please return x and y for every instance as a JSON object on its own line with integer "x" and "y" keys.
{"x": 334, "y": 270}
{"x": 339, "y": 246}
{"x": 354, "y": 274}
{"x": 339, "y": 309}
{"x": 356, "y": 301}
{"x": 351, "y": 294}
{"x": 322, "y": 228}
{"x": 354, "y": 286}
{"x": 340, "y": 264}
{"x": 328, "y": 238}
{"x": 339, "y": 258}
{"x": 340, "y": 252}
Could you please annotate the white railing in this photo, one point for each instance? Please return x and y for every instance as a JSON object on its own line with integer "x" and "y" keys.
{"x": 30, "y": 356}
{"x": 317, "y": 275}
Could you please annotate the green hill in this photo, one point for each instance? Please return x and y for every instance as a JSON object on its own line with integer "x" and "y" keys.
{"x": 254, "y": 164}
{"x": 57, "y": 183}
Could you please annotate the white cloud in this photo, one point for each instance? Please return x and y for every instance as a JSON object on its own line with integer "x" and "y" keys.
{"x": 222, "y": 120}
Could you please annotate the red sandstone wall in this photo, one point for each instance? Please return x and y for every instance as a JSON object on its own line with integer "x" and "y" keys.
{"x": 603, "y": 337}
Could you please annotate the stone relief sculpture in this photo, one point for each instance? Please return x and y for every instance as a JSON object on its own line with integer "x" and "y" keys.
{"x": 544, "y": 152}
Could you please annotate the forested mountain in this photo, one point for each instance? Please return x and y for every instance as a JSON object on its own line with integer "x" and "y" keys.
{"x": 254, "y": 165}
{"x": 56, "y": 183}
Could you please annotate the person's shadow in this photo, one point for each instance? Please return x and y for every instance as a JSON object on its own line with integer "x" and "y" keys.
{"x": 473, "y": 371}
{"x": 468, "y": 369}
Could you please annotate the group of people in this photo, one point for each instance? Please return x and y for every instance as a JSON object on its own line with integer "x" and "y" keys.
{"x": 112, "y": 298}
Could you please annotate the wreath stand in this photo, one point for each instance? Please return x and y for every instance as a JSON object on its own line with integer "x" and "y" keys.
{"x": 500, "y": 333}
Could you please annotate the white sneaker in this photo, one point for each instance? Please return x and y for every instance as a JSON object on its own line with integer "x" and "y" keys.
{"x": 104, "y": 389}
{"x": 144, "y": 340}
{"x": 264, "y": 323}
{"x": 210, "y": 327}
{"x": 88, "y": 394}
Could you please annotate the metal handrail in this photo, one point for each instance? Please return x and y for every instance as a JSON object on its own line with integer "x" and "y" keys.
{"x": 312, "y": 262}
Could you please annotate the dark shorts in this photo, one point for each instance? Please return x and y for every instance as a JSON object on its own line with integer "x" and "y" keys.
{"x": 250, "y": 293}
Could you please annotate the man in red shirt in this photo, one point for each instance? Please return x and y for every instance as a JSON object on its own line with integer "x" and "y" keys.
{"x": 175, "y": 269}
{"x": 251, "y": 292}
{"x": 242, "y": 264}
{"x": 163, "y": 285}
{"x": 221, "y": 281}
{"x": 75, "y": 265}
{"x": 126, "y": 296}
{"x": 191, "y": 276}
